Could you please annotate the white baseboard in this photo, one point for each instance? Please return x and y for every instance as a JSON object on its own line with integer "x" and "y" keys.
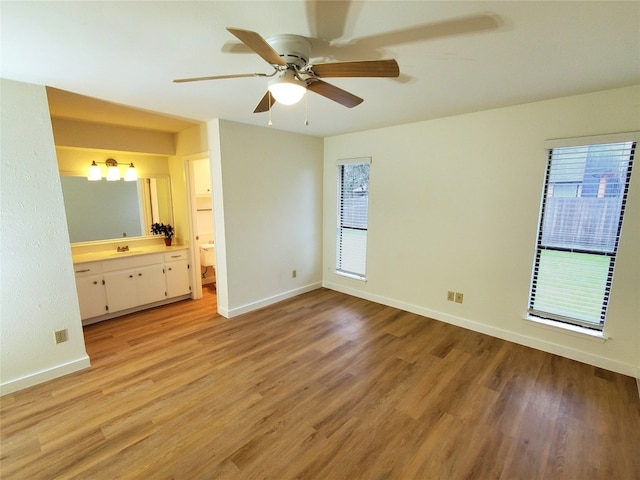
{"x": 45, "y": 375}
{"x": 537, "y": 343}
{"x": 234, "y": 312}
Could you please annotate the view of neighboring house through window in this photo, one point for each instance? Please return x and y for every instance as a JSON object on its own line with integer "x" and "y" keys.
{"x": 353, "y": 213}
{"x": 580, "y": 223}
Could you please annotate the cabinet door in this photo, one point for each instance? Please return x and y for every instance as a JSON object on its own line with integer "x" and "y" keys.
{"x": 91, "y": 296}
{"x": 177, "y": 278}
{"x": 151, "y": 284}
{"x": 202, "y": 174}
{"x": 122, "y": 289}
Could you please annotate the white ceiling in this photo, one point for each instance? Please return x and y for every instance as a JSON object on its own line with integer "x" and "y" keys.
{"x": 454, "y": 56}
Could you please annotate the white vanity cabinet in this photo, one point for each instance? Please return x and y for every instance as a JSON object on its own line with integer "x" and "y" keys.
{"x": 92, "y": 297}
{"x": 134, "y": 281}
{"x": 176, "y": 268}
{"x": 121, "y": 285}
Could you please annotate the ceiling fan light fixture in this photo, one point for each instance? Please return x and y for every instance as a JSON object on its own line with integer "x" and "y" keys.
{"x": 287, "y": 89}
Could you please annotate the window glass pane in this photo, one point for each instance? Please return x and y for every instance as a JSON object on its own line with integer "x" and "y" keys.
{"x": 584, "y": 197}
{"x": 572, "y": 284}
{"x": 353, "y": 184}
{"x": 354, "y": 251}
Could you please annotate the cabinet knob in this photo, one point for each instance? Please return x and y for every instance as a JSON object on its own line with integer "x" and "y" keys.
{"x": 95, "y": 282}
{"x": 130, "y": 276}
{"x": 139, "y": 274}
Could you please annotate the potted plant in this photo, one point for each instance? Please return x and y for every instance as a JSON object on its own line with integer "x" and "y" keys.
{"x": 162, "y": 229}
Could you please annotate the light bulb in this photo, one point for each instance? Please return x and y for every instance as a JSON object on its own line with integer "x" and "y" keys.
{"x": 131, "y": 175}
{"x": 113, "y": 173}
{"x": 94, "y": 172}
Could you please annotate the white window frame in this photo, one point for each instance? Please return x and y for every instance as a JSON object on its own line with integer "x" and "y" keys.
{"x": 340, "y": 259}
{"x": 556, "y": 320}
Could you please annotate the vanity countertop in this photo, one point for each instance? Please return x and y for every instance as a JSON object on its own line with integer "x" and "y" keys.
{"x": 112, "y": 254}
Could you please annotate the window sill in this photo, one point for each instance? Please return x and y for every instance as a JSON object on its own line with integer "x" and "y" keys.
{"x": 573, "y": 330}
{"x": 351, "y": 276}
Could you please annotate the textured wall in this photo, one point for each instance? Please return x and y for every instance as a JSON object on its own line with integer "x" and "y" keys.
{"x": 37, "y": 286}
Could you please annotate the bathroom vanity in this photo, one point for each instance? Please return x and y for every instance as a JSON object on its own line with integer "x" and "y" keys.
{"x": 113, "y": 283}
{"x": 119, "y": 266}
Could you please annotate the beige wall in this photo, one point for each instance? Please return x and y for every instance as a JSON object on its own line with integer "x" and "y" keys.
{"x": 192, "y": 141}
{"x": 267, "y": 187}
{"x": 75, "y": 133}
{"x": 38, "y": 293}
{"x": 454, "y": 206}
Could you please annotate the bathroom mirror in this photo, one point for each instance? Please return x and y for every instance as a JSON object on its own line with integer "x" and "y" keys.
{"x": 105, "y": 210}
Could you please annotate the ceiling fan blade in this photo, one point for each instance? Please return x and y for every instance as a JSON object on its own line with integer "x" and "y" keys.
{"x": 259, "y": 45}
{"x": 334, "y": 93}
{"x": 445, "y": 28}
{"x": 367, "y": 68}
{"x": 265, "y": 104}
{"x": 220, "y": 77}
{"x": 327, "y": 20}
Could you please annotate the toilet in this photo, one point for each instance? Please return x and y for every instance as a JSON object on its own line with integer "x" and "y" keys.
{"x": 208, "y": 259}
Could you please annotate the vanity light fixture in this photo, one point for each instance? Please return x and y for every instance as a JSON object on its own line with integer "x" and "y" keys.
{"x": 113, "y": 172}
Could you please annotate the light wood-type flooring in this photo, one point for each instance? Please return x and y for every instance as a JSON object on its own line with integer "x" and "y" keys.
{"x": 322, "y": 386}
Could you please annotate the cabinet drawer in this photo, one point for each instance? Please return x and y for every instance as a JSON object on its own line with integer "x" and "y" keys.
{"x": 84, "y": 269}
{"x": 175, "y": 256}
{"x": 132, "y": 262}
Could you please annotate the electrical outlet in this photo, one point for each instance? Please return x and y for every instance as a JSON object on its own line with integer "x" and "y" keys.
{"x": 294, "y": 274}
{"x": 451, "y": 296}
{"x": 61, "y": 336}
{"x": 459, "y": 297}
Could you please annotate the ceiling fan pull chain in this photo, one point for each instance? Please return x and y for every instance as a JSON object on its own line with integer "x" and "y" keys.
{"x": 306, "y": 108}
{"x": 270, "y": 123}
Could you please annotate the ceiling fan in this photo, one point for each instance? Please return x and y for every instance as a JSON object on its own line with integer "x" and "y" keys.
{"x": 293, "y": 75}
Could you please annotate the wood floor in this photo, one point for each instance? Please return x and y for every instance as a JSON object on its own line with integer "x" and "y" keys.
{"x": 322, "y": 386}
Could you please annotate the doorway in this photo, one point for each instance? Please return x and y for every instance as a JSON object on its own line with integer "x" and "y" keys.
{"x": 202, "y": 225}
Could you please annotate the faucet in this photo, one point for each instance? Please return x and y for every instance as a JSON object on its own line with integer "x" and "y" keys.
{"x": 123, "y": 249}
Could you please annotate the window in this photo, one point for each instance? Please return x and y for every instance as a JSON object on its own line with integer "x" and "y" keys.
{"x": 353, "y": 214}
{"x": 580, "y": 222}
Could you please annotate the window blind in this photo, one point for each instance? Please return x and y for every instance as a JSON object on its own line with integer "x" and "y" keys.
{"x": 580, "y": 224}
{"x": 353, "y": 215}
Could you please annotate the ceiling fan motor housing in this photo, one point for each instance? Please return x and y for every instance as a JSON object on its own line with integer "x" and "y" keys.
{"x": 293, "y": 49}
